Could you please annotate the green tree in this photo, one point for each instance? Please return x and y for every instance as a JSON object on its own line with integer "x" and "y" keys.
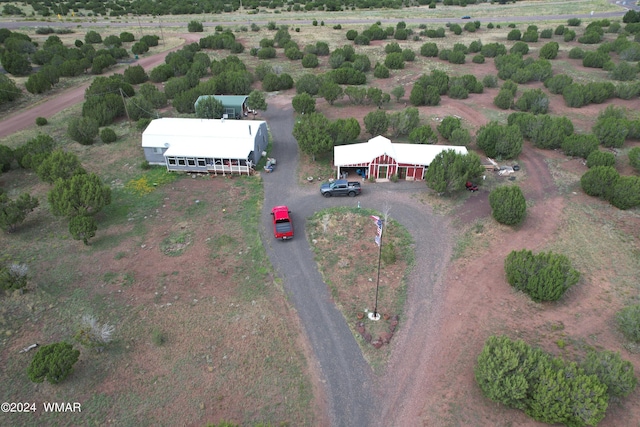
{"x": 14, "y": 212}
{"x": 448, "y": 125}
{"x": 257, "y": 102}
{"x": 356, "y": 95}
{"x": 92, "y": 37}
{"x": 460, "y": 137}
{"x": 628, "y": 320}
{"x": 544, "y": 277}
{"x": 611, "y": 131}
{"x": 83, "y": 227}
{"x": 6, "y": 158}
{"x": 331, "y": 91}
{"x": 449, "y": 171}
{"x": 209, "y": 108}
{"x": 195, "y": 27}
{"x": 138, "y": 107}
{"x": 557, "y": 83}
{"x": 135, "y": 75}
{"x": 53, "y": 362}
{"x": 313, "y": 133}
{"x": 600, "y": 158}
{"x": 580, "y": 145}
{"x": 59, "y": 165}
{"x": 303, "y": 103}
{"x": 599, "y": 181}
{"x": 308, "y": 83}
{"x": 533, "y": 100}
{"x": 82, "y": 194}
{"x": 310, "y": 60}
{"x": 108, "y": 135}
{"x": 626, "y": 192}
{"x": 504, "y": 99}
{"x": 564, "y": 394}
{"x": 8, "y": 90}
{"x": 549, "y": 50}
{"x": 506, "y": 370}
{"x": 612, "y": 371}
{"x": 376, "y": 122}
{"x": 31, "y": 154}
{"x": 345, "y": 131}
{"x": 15, "y": 63}
{"x": 403, "y": 122}
{"x": 83, "y": 130}
{"x": 13, "y": 276}
{"x": 508, "y": 205}
{"x": 423, "y": 135}
{"x": 634, "y": 158}
{"x": 398, "y": 92}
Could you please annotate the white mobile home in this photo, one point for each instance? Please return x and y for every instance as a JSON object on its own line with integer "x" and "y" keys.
{"x": 203, "y": 145}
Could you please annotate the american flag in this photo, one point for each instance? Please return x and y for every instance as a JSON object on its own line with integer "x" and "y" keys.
{"x": 378, "y": 222}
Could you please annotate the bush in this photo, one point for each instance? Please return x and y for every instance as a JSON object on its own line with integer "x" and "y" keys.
{"x": 549, "y": 50}
{"x": 634, "y": 158}
{"x": 41, "y": 121}
{"x": 626, "y": 192}
{"x": 108, "y": 135}
{"x": 310, "y": 61}
{"x": 381, "y": 72}
{"x": 600, "y": 158}
{"x": 423, "y": 135}
{"x": 394, "y": 61}
{"x": 429, "y": 50}
{"x": 557, "y": 83}
{"x": 611, "y": 131}
{"x": 489, "y": 80}
{"x": 195, "y": 27}
{"x": 519, "y": 47}
{"x": 544, "y": 277}
{"x": 580, "y": 145}
{"x": 628, "y": 320}
{"x": 13, "y": 276}
{"x": 534, "y": 101}
{"x": 448, "y": 125}
{"x": 388, "y": 253}
{"x": 501, "y": 142}
{"x": 303, "y": 103}
{"x": 508, "y": 205}
{"x": 351, "y": 35}
{"x": 135, "y": 75}
{"x": 514, "y": 34}
{"x": 599, "y": 181}
{"x": 83, "y": 130}
{"x": 504, "y": 99}
{"x": 53, "y": 362}
{"x": 611, "y": 370}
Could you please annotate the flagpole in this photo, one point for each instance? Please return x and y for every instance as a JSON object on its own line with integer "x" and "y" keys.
{"x": 375, "y": 307}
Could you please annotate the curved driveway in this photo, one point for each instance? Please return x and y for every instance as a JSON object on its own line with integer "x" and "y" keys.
{"x": 350, "y": 384}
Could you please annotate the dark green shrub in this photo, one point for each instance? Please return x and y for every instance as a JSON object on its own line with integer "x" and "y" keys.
{"x": 381, "y": 72}
{"x": 388, "y": 253}
{"x": 580, "y": 145}
{"x": 576, "y": 53}
{"x": 549, "y": 50}
{"x": 41, "y": 121}
{"x": 501, "y": 142}
{"x": 489, "y": 80}
{"x": 53, "y": 362}
{"x": 544, "y": 277}
{"x": 423, "y": 135}
{"x": 547, "y": 33}
{"x": 557, "y": 83}
{"x": 519, "y": 47}
{"x": 394, "y": 61}
{"x": 574, "y": 22}
{"x": 514, "y": 34}
{"x": 574, "y": 95}
{"x": 448, "y": 125}
{"x": 626, "y": 192}
{"x": 142, "y": 124}
{"x": 611, "y": 131}
{"x": 83, "y": 130}
{"x": 508, "y": 205}
{"x": 351, "y": 34}
{"x": 530, "y": 37}
{"x": 108, "y": 135}
{"x": 12, "y": 276}
{"x": 600, "y": 158}
{"x": 429, "y": 50}
{"x": 634, "y": 158}
{"x": 506, "y": 370}
{"x": 534, "y": 101}
{"x": 628, "y": 320}
{"x": 611, "y": 370}
{"x": 599, "y": 181}
{"x": 195, "y": 27}
{"x": 310, "y": 61}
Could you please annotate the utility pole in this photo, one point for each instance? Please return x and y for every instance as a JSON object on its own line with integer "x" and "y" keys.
{"x": 125, "y": 106}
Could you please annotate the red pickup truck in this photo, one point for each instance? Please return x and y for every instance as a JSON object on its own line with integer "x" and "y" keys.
{"x": 282, "y": 224}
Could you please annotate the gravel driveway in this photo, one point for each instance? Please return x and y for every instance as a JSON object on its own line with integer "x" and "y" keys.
{"x": 350, "y": 385}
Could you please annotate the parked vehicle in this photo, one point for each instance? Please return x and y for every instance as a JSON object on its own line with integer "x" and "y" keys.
{"x": 471, "y": 186}
{"x": 340, "y": 187}
{"x": 282, "y": 224}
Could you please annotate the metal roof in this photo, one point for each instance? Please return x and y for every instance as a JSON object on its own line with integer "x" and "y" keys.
{"x": 233, "y": 139}
{"x": 413, "y": 154}
{"x": 226, "y": 100}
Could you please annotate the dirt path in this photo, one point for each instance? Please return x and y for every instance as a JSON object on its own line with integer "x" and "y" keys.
{"x": 25, "y": 118}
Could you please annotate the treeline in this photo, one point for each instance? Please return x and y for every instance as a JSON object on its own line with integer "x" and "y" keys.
{"x": 188, "y": 7}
